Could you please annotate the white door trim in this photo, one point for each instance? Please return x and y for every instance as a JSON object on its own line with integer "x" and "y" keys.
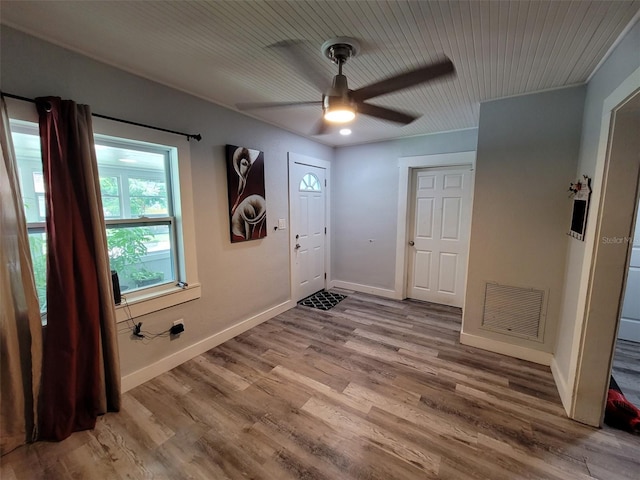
{"x": 405, "y": 165}
{"x": 589, "y": 409}
{"x": 314, "y": 162}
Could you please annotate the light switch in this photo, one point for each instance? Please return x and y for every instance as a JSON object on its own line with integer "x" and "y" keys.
{"x": 282, "y": 224}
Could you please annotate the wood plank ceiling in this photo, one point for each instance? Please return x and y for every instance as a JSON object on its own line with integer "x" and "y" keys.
{"x": 218, "y": 50}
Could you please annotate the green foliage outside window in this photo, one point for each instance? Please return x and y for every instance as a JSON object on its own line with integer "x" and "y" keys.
{"x": 109, "y": 186}
{"x": 110, "y": 191}
{"x": 38, "y": 246}
{"x": 127, "y": 247}
{"x": 148, "y": 197}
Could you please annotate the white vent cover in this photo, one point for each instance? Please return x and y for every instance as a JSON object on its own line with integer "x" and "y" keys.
{"x": 514, "y": 310}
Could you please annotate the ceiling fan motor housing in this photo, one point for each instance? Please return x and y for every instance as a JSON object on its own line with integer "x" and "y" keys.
{"x": 338, "y": 97}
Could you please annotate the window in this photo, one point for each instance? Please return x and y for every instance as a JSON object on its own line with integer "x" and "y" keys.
{"x": 310, "y": 183}
{"x": 27, "y": 146}
{"x": 135, "y": 183}
{"x": 148, "y": 218}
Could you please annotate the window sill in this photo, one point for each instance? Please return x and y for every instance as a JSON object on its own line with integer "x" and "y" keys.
{"x": 141, "y": 303}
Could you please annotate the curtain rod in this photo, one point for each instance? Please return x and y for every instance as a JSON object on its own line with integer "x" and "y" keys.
{"x": 189, "y": 136}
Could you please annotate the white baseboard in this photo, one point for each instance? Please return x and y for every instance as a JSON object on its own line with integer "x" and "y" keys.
{"x": 356, "y": 287}
{"x": 629, "y": 330}
{"x": 523, "y": 353}
{"x": 167, "y": 363}
{"x": 562, "y": 385}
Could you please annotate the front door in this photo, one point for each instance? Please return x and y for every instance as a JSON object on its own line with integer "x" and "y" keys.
{"x": 439, "y": 234}
{"x": 308, "y": 228}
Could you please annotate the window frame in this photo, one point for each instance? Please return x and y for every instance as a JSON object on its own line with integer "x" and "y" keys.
{"x": 187, "y": 286}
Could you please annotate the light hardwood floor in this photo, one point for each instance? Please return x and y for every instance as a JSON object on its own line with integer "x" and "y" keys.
{"x": 372, "y": 389}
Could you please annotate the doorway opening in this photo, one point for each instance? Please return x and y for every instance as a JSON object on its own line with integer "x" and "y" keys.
{"x": 614, "y": 223}
{"x": 626, "y": 354}
{"x": 626, "y": 357}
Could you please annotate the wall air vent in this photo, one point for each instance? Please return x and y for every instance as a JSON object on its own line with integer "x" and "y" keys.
{"x": 514, "y": 311}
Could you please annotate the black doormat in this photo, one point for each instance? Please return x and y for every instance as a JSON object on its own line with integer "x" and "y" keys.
{"x": 322, "y": 300}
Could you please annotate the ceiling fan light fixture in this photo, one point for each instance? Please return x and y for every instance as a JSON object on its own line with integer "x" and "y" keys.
{"x": 337, "y": 106}
{"x": 339, "y": 114}
{"x": 341, "y": 104}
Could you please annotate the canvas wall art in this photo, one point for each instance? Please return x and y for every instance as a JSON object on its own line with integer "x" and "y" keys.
{"x": 245, "y": 186}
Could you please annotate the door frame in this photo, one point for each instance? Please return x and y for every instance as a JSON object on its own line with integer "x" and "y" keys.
{"x": 326, "y": 165}
{"x": 406, "y": 165}
{"x": 590, "y": 366}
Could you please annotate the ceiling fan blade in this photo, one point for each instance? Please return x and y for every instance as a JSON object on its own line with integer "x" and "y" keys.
{"x": 385, "y": 113}
{"x": 405, "y": 80}
{"x": 257, "y": 105}
{"x": 293, "y": 52}
{"x": 320, "y": 128}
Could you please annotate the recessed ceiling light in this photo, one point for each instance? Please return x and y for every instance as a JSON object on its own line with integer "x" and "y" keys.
{"x": 345, "y": 131}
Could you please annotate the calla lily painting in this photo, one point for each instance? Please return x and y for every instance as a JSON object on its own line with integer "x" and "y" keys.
{"x": 245, "y": 185}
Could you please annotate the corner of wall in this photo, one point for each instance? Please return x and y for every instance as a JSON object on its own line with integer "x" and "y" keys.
{"x": 145, "y": 374}
{"x": 562, "y": 385}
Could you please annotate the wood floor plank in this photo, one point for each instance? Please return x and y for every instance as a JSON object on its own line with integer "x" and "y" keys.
{"x": 387, "y": 440}
{"x": 373, "y": 389}
{"x": 317, "y": 388}
{"x": 466, "y": 458}
{"x": 238, "y": 382}
{"x": 297, "y": 445}
{"x": 420, "y": 418}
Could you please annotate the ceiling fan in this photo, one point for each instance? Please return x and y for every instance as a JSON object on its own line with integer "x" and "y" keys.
{"x": 339, "y": 103}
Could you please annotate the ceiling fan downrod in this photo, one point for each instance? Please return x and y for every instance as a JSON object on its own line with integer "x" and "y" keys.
{"x": 337, "y": 104}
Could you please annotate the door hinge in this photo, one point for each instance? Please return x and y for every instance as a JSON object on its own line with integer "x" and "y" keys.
{"x": 325, "y": 276}
{"x": 325, "y": 230}
{"x": 325, "y": 182}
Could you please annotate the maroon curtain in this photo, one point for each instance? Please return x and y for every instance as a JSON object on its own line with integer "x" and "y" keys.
{"x": 73, "y": 372}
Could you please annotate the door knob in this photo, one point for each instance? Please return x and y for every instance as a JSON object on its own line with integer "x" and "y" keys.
{"x": 411, "y": 242}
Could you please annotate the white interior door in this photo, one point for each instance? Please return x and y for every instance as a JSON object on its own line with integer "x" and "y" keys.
{"x": 308, "y": 228}
{"x": 630, "y": 320}
{"x": 439, "y": 234}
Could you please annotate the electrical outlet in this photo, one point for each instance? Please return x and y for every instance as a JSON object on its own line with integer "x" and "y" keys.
{"x": 178, "y": 327}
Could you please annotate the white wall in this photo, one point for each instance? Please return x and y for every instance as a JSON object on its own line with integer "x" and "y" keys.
{"x": 365, "y": 205}
{"x": 622, "y": 62}
{"x": 527, "y": 155}
{"x": 238, "y": 281}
